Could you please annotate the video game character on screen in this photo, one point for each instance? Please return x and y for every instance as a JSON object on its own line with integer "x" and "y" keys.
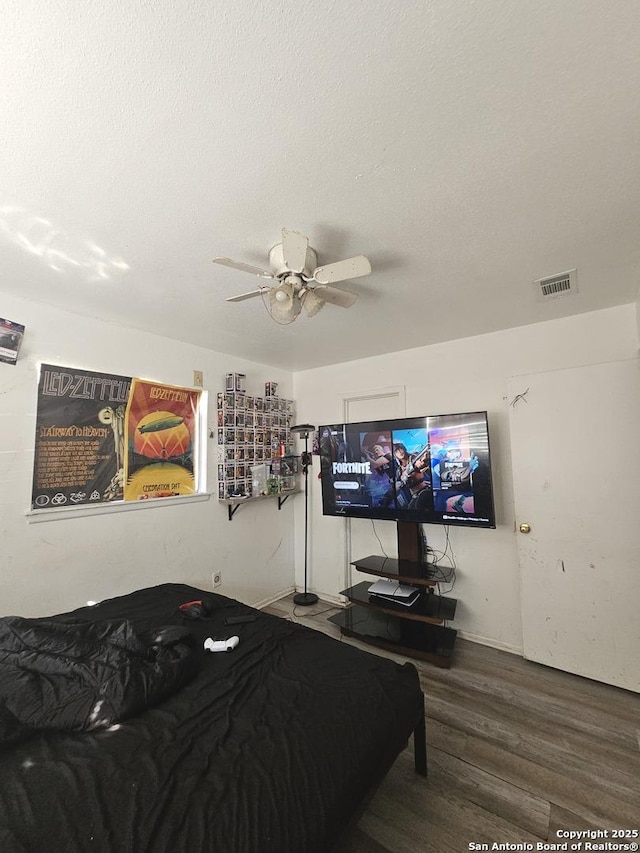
{"x": 453, "y": 463}
{"x": 376, "y": 450}
{"x": 412, "y": 469}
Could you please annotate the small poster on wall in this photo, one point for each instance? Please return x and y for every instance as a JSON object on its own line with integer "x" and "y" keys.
{"x": 10, "y": 340}
{"x": 79, "y": 447}
{"x": 160, "y": 426}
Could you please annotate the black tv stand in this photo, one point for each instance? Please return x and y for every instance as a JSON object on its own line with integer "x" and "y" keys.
{"x": 416, "y": 631}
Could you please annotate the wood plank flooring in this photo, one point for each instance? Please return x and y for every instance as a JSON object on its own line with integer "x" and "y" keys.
{"x": 517, "y": 752}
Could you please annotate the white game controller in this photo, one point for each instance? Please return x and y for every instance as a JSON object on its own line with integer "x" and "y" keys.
{"x": 211, "y": 645}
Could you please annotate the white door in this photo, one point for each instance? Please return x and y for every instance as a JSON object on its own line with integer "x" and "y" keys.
{"x": 576, "y": 464}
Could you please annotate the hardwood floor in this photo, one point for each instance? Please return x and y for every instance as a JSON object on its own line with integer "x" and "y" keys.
{"x": 517, "y": 752}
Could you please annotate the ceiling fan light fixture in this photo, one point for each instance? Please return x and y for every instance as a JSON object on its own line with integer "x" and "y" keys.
{"x": 282, "y": 296}
{"x": 282, "y": 304}
{"x": 312, "y": 304}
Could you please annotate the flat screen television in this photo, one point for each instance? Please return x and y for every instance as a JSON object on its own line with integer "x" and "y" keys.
{"x": 433, "y": 470}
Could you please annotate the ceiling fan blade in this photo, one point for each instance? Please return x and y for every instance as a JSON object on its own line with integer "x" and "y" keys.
{"x": 238, "y": 265}
{"x": 341, "y": 270}
{"x": 294, "y": 250}
{"x": 249, "y": 295}
{"x": 341, "y": 298}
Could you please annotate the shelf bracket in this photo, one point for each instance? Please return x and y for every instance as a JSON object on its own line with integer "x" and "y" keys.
{"x": 233, "y": 507}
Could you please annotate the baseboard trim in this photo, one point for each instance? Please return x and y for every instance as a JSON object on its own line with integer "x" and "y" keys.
{"x": 336, "y": 600}
{"x": 487, "y": 641}
{"x": 273, "y": 598}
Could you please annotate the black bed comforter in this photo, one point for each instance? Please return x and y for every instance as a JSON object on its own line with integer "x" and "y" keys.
{"x": 268, "y": 749}
{"x": 77, "y": 675}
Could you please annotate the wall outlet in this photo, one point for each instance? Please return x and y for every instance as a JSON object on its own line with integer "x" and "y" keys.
{"x": 197, "y": 378}
{"x": 216, "y": 579}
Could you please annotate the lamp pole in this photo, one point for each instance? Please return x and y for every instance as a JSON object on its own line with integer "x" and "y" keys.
{"x": 305, "y": 598}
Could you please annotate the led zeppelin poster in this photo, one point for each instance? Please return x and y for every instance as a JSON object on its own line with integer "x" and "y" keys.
{"x": 79, "y": 446}
{"x": 101, "y": 437}
{"x": 160, "y": 430}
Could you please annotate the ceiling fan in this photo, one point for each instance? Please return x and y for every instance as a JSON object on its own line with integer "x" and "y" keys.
{"x": 298, "y": 280}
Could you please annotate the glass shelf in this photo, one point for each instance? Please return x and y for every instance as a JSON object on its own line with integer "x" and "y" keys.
{"x": 432, "y": 643}
{"x": 427, "y": 608}
{"x": 233, "y": 504}
{"x": 420, "y": 574}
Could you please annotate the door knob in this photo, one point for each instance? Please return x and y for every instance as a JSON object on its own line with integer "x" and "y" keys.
{"x": 525, "y": 528}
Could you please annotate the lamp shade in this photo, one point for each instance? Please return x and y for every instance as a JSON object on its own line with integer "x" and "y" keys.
{"x": 302, "y": 429}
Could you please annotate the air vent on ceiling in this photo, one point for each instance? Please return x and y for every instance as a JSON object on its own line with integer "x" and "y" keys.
{"x": 562, "y": 284}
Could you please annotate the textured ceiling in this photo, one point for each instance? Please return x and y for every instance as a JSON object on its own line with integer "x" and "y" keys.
{"x": 466, "y": 148}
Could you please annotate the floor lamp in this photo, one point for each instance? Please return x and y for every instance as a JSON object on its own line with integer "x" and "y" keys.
{"x": 303, "y": 430}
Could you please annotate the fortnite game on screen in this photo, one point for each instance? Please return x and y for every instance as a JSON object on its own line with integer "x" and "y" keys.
{"x": 414, "y": 468}
{"x": 376, "y": 469}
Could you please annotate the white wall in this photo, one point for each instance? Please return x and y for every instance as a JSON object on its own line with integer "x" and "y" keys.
{"x": 54, "y": 566}
{"x": 465, "y": 375}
